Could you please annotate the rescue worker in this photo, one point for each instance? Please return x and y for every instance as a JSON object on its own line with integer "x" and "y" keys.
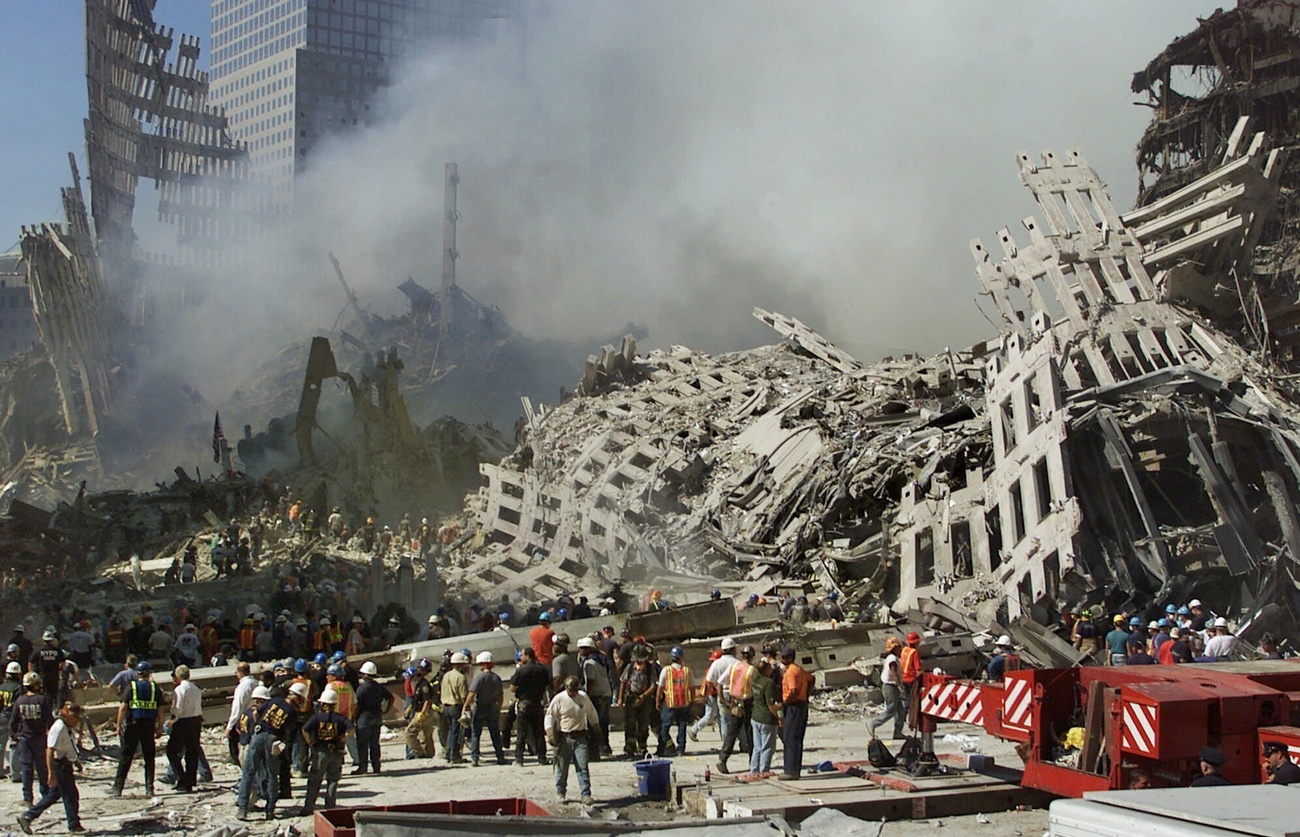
{"x": 710, "y": 690}
{"x": 276, "y": 724}
{"x": 530, "y": 683}
{"x": 47, "y": 660}
{"x": 737, "y": 697}
{"x": 1278, "y": 766}
{"x": 636, "y": 696}
{"x": 29, "y": 725}
{"x": 373, "y": 700}
{"x": 454, "y": 692}
{"x": 10, "y": 688}
{"x": 346, "y": 704}
{"x": 891, "y": 689}
{"x": 717, "y": 674}
{"x": 764, "y": 717}
{"x": 542, "y": 639}
{"x": 422, "y": 725}
{"x": 325, "y": 732}
{"x": 595, "y": 679}
{"x": 909, "y": 669}
{"x": 483, "y": 706}
{"x": 1222, "y": 645}
{"x": 563, "y": 665}
{"x": 139, "y": 723}
{"x": 674, "y": 698}
{"x": 828, "y": 609}
{"x": 796, "y": 683}
{"x": 186, "y": 726}
{"x": 570, "y": 716}
{"x": 239, "y": 704}
{"x": 1005, "y": 660}
{"x": 1116, "y": 641}
{"x": 1087, "y": 636}
{"x": 63, "y": 763}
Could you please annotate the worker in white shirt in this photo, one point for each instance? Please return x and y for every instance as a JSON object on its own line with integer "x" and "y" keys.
{"x": 1221, "y": 644}
{"x": 569, "y": 717}
{"x": 186, "y": 725}
{"x": 63, "y": 763}
{"x": 243, "y": 698}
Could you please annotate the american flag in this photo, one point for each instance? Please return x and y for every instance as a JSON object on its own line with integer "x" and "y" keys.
{"x": 218, "y": 439}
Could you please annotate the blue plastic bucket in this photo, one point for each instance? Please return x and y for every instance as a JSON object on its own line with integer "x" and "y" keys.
{"x": 654, "y": 776}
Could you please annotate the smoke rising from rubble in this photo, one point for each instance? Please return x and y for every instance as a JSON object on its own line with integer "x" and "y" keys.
{"x": 676, "y": 164}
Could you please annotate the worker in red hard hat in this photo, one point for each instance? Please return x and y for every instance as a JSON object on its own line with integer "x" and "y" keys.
{"x": 909, "y": 665}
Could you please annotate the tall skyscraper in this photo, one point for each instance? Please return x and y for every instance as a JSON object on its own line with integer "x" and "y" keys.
{"x": 290, "y": 72}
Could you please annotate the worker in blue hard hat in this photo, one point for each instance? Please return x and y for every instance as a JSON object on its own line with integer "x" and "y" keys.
{"x": 674, "y": 696}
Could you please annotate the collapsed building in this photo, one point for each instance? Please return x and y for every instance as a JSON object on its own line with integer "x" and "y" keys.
{"x": 1112, "y": 445}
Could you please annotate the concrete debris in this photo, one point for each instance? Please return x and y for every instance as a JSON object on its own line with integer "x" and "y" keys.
{"x": 952, "y": 478}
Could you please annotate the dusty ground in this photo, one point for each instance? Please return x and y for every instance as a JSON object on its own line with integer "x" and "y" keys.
{"x": 832, "y": 736}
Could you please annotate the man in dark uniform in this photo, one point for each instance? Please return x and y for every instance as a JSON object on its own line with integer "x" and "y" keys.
{"x": 325, "y": 732}
{"x": 47, "y": 660}
{"x": 276, "y": 726}
{"x": 373, "y": 701}
{"x": 139, "y": 723}
{"x": 1212, "y": 761}
{"x": 530, "y": 682}
{"x": 28, "y": 726}
{"x": 1277, "y": 760}
{"x": 24, "y": 644}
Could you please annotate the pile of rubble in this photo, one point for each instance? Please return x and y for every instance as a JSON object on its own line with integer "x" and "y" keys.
{"x": 958, "y": 477}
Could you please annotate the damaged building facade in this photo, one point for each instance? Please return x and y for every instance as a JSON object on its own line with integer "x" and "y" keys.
{"x": 1111, "y": 446}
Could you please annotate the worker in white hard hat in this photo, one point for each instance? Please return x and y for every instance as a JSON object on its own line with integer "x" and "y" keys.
{"x": 373, "y": 701}
{"x": 10, "y": 688}
{"x": 719, "y": 672}
{"x": 1200, "y": 616}
{"x": 1222, "y": 645}
{"x": 483, "y": 707}
{"x": 325, "y": 732}
{"x": 453, "y": 692}
{"x": 1004, "y": 660}
{"x": 276, "y": 726}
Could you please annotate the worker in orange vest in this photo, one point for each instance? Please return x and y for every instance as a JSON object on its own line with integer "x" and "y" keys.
{"x": 248, "y": 641}
{"x": 675, "y": 698}
{"x": 909, "y": 665}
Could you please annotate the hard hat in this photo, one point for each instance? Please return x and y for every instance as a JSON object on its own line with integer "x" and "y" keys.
{"x": 657, "y": 594}
{"x": 503, "y": 617}
{"x": 586, "y": 642}
{"x": 483, "y": 657}
{"x": 261, "y": 693}
{"x": 1119, "y": 619}
{"x": 893, "y": 642}
{"x": 753, "y": 598}
{"x": 393, "y": 620}
{"x": 31, "y": 679}
{"x": 1170, "y": 609}
{"x": 408, "y": 672}
{"x": 1135, "y": 621}
{"x": 143, "y": 667}
{"x": 12, "y": 648}
{"x": 747, "y": 651}
{"x": 1220, "y": 622}
{"x": 715, "y": 594}
{"x": 49, "y": 635}
{"x": 1153, "y": 624}
{"x": 277, "y": 666}
{"x": 519, "y": 655}
{"x": 1162, "y": 622}
{"x": 1004, "y": 641}
{"x": 328, "y": 696}
{"x": 677, "y": 652}
{"x": 424, "y": 665}
{"x": 357, "y": 620}
{"x": 324, "y": 621}
{"x": 561, "y": 639}
{"x": 1184, "y": 611}
{"x": 913, "y": 638}
{"x": 299, "y": 689}
{"x": 433, "y": 617}
{"x": 833, "y": 595}
{"x": 1194, "y": 603}
{"x": 13, "y": 668}
{"x": 545, "y": 617}
{"x": 458, "y": 659}
{"x": 300, "y": 665}
{"x": 19, "y": 628}
{"x": 728, "y": 643}
{"x": 465, "y": 651}
{"x": 563, "y": 613}
{"x": 320, "y": 658}
{"x": 368, "y": 668}
{"x": 335, "y": 669}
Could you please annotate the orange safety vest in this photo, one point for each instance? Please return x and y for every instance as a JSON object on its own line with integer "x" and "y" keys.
{"x": 346, "y": 697}
{"x": 116, "y": 637}
{"x": 677, "y": 689}
{"x": 211, "y": 642}
{"x": 740, "y": 683}
{"x": 909, "y": 663}
{"x": 247, "y": 639}
{"x": 320, "y": 641}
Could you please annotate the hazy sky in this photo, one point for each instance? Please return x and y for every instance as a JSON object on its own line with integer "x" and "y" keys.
{"x": 677, "y": 163}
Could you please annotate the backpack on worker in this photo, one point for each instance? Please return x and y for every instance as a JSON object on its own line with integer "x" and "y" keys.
{"x": 878, "y": 754}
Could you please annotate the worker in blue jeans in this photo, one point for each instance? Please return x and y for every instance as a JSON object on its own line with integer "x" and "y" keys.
{"x": 63, "y": 763}
{"x": 570, "y": 716}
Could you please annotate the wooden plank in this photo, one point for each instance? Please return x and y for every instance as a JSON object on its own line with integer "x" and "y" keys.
{"x": 1093, "y": 727}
